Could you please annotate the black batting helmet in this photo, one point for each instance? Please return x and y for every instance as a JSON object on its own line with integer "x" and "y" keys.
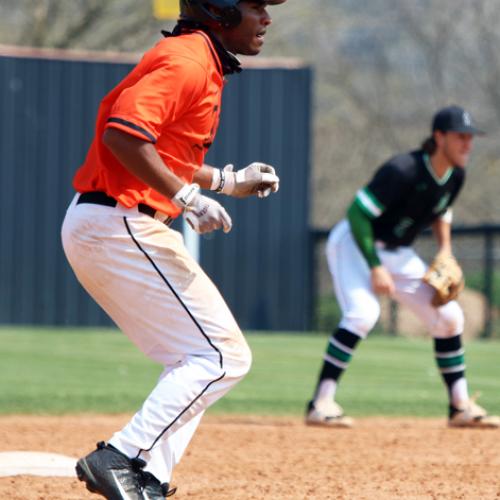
{"x": 225, "y": 15}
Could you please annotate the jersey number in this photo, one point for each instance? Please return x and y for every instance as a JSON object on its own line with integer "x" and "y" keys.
{"x": 403, "y": 225}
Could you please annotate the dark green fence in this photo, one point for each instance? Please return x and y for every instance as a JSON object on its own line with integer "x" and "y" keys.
{"x": 48, "y": 104}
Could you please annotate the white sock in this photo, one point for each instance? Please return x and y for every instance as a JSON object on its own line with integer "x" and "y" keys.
{"x": 459, "y": 392}
{"x": 326, "y": 389}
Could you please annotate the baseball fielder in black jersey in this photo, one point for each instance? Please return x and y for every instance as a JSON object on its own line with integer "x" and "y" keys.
{"x": 406, "y": 197}
{"x": 370, "y": 253}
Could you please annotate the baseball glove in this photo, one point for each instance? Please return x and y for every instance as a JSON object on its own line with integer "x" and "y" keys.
{"x": 446, "y": 277}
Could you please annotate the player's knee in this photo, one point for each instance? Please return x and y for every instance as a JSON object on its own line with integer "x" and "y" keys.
{"x": 361, "y": 324}
{"x": 450, "y": 320}
{"x": 237, "y": 359}
{"x": 245, "y": 359}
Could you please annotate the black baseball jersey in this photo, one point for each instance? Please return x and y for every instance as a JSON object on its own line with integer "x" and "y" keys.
{"x": 405, "y": 196}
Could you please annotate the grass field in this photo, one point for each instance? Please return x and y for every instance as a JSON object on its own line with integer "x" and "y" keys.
{"x": 56, "y": 371}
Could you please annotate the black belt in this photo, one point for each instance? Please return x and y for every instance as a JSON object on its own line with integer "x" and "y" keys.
{"x": 100, "y": 198}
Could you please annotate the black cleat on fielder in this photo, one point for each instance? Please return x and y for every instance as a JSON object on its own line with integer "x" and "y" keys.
{"x": 110, "y": 473}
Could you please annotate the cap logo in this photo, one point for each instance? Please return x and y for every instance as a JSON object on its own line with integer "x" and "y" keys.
{"x": 467, "y": 119}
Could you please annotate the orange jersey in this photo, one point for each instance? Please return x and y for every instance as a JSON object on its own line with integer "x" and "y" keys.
{"x": 172, "y": 99}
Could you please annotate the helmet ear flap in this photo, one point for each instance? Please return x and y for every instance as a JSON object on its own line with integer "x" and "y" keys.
{"x": 231, "y": 17}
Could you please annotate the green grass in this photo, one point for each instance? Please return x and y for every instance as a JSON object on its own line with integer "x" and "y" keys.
{"x": 72, "y": 371}
{"x": 64, "y": 371}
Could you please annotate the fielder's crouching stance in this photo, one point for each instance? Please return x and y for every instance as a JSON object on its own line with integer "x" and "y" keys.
{"x": 144, "y": 168}
{"x": 370, "y": 253}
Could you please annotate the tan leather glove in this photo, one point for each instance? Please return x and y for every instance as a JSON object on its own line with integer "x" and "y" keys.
{"x": 446, "y": 277}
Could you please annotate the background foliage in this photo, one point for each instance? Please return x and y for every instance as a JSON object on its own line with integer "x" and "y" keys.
{"x": 382, "y": 68}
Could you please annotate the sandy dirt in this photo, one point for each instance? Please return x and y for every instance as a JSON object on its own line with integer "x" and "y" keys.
{"x": 240, "y": 458}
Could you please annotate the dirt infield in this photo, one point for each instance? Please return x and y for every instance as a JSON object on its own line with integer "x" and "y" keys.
{"x": 240, "y": 458}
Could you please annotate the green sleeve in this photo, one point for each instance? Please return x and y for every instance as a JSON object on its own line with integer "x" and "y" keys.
{"x": 362, "y": 230}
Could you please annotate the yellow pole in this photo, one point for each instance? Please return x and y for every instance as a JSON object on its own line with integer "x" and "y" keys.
{"x": 166, "y": 9}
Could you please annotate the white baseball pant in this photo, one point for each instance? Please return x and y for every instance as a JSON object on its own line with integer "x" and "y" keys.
{"x": 359, "y": 304}
{"x": 139, "y": 271}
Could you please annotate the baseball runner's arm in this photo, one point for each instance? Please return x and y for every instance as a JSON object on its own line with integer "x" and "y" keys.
{"x": 257, "y": 179}
{"x": 203, "y": 177}
{"x": 141, "y": 159}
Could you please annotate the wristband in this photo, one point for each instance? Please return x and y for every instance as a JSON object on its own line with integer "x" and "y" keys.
{"x": 229, "y": 182}
{"x": 222, "y": 182}
{"x": 216, "y": 179}
{"x": 186, "y": 194}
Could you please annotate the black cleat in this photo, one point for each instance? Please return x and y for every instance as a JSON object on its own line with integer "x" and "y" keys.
{"x": 110, "y": 473}
{"x": 152, "y": 489}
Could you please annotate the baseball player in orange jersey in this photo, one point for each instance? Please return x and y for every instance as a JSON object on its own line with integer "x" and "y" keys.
{"x": 144, "y": 168}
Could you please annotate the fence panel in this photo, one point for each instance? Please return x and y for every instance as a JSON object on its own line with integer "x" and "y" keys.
{"x": 46, "y": 125}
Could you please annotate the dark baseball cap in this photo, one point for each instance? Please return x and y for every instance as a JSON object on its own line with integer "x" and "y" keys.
{"x": 454, "y": 119}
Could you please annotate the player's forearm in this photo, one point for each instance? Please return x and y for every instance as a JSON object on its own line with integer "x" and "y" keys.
{"x": 142, "y": 160}
{"x": 362, "y": 231}
{"x": 204, "y": 176}
{"x": 442, "y": 234}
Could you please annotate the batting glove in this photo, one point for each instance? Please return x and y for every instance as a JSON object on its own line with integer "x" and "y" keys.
{"x": 203, "y": 214}
{"x": 256, "y": 179}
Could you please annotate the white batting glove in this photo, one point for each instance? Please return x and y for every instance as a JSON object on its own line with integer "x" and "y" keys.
{"x": 256, "y": 179}
{"x": 203, "y": 214}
